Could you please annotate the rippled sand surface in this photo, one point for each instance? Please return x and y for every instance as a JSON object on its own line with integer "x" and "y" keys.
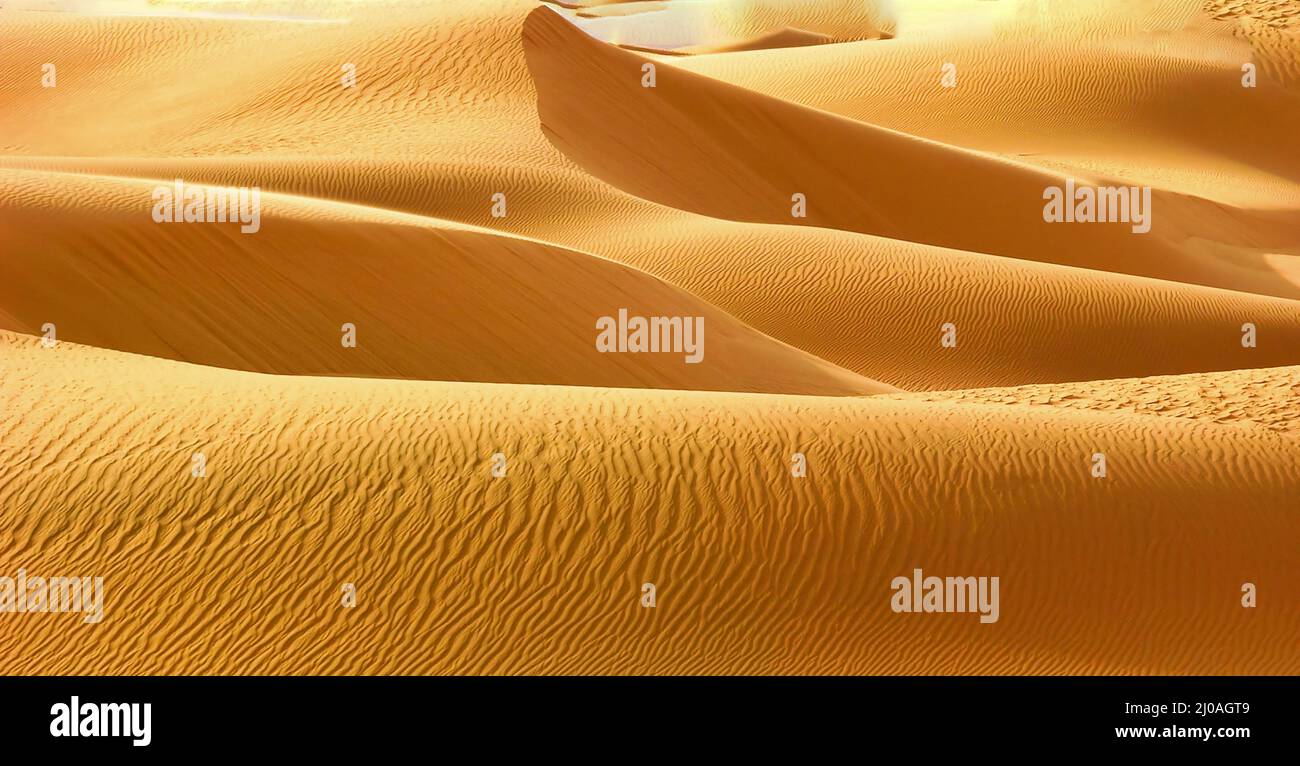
{"x": 374, "y": 466}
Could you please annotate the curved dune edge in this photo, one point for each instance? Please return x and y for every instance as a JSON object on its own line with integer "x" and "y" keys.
{"x": 880, "y": 305}
{"x": 706, "y": 146}
{"x": 540, "y": 572}
{"x": 429, "y": 300}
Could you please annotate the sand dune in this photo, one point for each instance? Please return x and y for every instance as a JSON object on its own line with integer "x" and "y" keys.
{"x": 883, "y": 301}
{"x": 541, "y": 571}
{"x": 681, "y": 144}
{"x": 428, "y": 299}
{"x": 371, "y": 465}
{"x": 442, "y": 138}
{"x": 1046, "y": 95}
{"x": 882, "y": 304}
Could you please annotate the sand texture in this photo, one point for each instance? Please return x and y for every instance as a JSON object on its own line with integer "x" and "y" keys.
{"x": 497, "y": 180}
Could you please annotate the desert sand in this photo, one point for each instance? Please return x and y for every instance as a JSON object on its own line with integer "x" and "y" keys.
{"x": 497, "y": 179}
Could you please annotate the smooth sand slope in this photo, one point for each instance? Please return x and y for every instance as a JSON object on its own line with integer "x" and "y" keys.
{"x": 313, "y": 482}
{"x": 427, "y": 299}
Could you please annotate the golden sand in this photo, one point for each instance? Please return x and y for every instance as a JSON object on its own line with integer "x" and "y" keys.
{"x": 373, "y": 465}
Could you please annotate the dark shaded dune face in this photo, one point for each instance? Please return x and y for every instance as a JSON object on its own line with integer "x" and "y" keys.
{"x": 426, "y": 301}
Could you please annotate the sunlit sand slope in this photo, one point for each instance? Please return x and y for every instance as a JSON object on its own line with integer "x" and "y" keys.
{"x": 312, "y": 483}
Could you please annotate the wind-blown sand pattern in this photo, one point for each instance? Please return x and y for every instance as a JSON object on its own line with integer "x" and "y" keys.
{"x": 372, "y": 465}
{"x": 385, "y": 483}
